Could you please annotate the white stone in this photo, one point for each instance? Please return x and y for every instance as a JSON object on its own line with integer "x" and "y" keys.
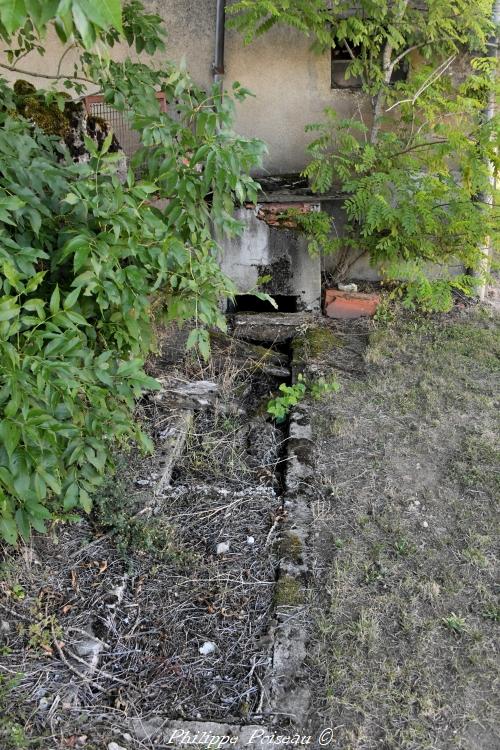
{"x": 348, "y": 287}
{"x": 115, "y": 746}
{"x": 222, "y": 548}
{"x": 207, "y": 648}
{"x": 425, "y": 524}
{"x": 250, "y": 540}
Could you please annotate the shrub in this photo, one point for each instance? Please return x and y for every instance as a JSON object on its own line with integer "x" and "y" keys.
{"x": 86, "y": 257}
{"x": 409, "y": 202}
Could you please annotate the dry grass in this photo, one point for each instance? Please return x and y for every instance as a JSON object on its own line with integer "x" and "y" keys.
{"x": 407, "y": 634}
{"x": 175, "y": 591}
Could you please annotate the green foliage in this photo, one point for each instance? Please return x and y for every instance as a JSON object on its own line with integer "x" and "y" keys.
{"x": 417, "y": 180}
{"x": 322, "y": 387}
{"x": 280, "y": 406}
{"x": 85, "y": 18}
{"x": 443, "y": 27}
{"x": 12, "y": 733}
{"x": 42, "y": 631}
{"x": 17, "y": 592}
{"x": 256, "y": 17}
{"x": 318, "y": 227}
{"x": 88, "y": 257}
{"x": 454, "y": 623}
{"x": 385, "y": 314}
{"x": 115, "y": 511}
{"x": 491, "y": 613}
{"x": 409, "y": 202}
{"x": 24, "y": 25}
{"x": 72, "y": 311}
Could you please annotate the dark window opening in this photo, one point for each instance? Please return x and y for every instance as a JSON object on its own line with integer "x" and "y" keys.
{"x": 250, "y": 303}
{"x": 342, "y": 58}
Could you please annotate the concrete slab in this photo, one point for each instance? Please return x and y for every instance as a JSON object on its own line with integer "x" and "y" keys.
{"x": 264, "y": 250}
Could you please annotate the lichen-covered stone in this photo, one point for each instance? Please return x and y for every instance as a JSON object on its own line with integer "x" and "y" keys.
{"x": 291, "y": 547}
{"x": 31, "y": 105}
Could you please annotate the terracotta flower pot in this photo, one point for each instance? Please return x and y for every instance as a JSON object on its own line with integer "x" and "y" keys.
{"x": 348, "y": 305}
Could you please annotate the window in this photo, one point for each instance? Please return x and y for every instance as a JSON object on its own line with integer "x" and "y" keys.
{"x": 342, "y": 58}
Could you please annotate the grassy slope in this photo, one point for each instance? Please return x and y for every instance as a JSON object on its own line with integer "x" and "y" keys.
{"x": 406, "y": 639}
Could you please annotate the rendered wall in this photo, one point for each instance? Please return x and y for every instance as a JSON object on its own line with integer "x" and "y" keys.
{"x": 290, "y": 83}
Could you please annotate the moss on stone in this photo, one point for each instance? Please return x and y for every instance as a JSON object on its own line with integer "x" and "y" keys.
{"x": 288, "y": 592}
{"x": 315, "y": 342}
{"x": 31, "y": 105}
{"x": 292, "y": 548}
{"x": 23, "y": 88}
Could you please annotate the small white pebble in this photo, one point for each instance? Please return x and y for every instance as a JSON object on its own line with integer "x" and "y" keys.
{"x": 425, "y": 524}
{"x": 115, "y": 746}
{"x": 417, "y": 502}
{"x": 222, "y": 548}
{"x": 250, "y": 540}
{"x": 207, "y": 648}
{"x": 43, "y": 704}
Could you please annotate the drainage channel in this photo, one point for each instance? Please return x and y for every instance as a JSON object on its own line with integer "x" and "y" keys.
{"x": 182, "y": 601}
{"x": 284, "y": 695}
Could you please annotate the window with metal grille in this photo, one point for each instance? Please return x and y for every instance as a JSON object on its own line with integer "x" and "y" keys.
{"x": 128, "y": 139}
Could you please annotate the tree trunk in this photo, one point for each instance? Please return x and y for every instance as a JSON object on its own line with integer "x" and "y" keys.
{"x": 387, "y": 68}
{"x": 377, "y": 108}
